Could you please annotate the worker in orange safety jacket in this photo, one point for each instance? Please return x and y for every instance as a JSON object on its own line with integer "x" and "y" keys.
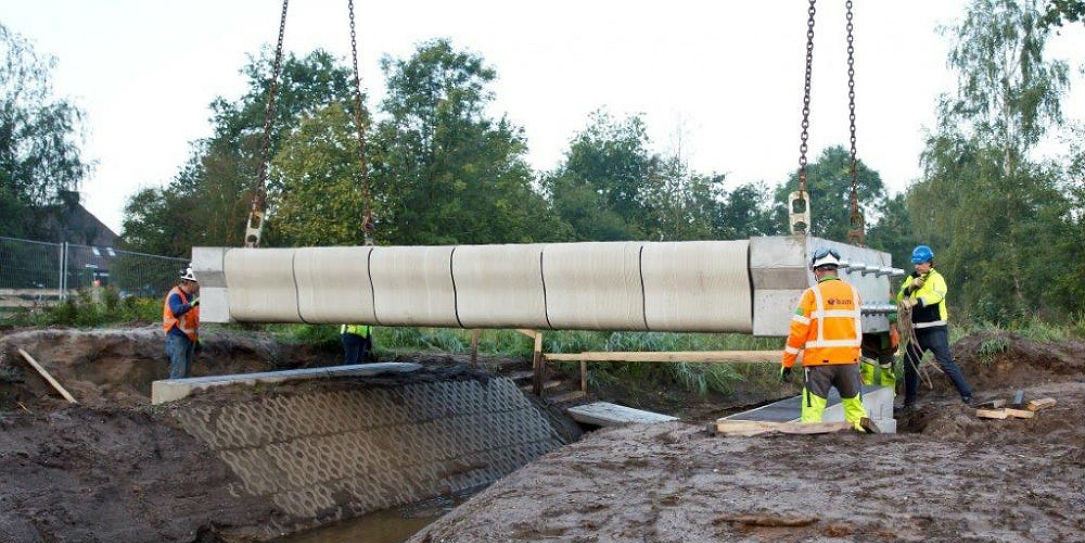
{"x": 828, "y": 328}
{"x": 181, "y": 322}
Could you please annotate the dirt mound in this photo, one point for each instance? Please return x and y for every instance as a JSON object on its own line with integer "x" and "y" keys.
{"x": 1002, "y": 360}
{"x": 81, "y": 474}
{"x": 115, "y": 367}
{"x": 674, "y": 482}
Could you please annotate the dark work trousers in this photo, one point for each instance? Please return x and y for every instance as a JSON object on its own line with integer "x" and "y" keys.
{"x": 355, "y": 348}
{"x": 936, "y": 340}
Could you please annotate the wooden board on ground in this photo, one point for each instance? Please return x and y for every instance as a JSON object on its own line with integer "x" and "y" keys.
{"x": 609, "y": 414}
{"x": 991, "y": 413}
{"x": 1042, "y": 403}
{"x": 744, "y": 428}
{"x": 1020, "y": 413}
{"x": 567, "y": 397}
{"x": 49, "y": 378}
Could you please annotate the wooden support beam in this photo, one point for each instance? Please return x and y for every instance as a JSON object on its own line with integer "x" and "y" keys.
{"x": 527, "y": 332}
{"x": 743, "y": 428}
{"x": 49, "y": 378}
{"x": 584, "y": 376}
{"x": 675, "y": 356}
{"x": 475, "y": 334}
{"x": 538, "y": 363}
{"x": 1042, "y": 403}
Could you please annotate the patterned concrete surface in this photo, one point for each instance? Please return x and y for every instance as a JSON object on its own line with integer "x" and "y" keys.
{"x": 326, "y": 455}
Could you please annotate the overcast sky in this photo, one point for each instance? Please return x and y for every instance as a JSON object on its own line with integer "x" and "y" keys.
{"x": 719, "y": 81}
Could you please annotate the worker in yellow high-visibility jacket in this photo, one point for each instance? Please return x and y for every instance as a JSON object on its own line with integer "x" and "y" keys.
{"x": 357, "y": 342}
{"x": 827, "y": 327}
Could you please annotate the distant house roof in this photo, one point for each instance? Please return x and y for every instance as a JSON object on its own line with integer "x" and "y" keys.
{"x": 71, "y": 222}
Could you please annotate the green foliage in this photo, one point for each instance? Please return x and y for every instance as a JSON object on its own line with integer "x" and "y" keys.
{"x": 828, "y": 182}
{"x": 84, "y": 311}
{"x": 39, "y": 134}
{"x": 1007, "y": 236}
{"x": 207, "y": 202}
{"x": 445, "y": 172}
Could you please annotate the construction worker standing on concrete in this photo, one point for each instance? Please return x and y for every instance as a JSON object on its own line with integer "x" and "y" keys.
{"x": 923, "y": 297}
{"x": 357, "y": 342}
{"x": 827, "y": 326}
{"x": 181, "y": 322}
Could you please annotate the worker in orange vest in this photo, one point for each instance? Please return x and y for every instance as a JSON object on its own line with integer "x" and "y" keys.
{"x": 827, "y": 326}
{"x": 181, "y": 322}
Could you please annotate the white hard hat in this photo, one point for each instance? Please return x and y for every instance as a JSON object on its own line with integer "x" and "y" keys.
{"x": 187, "y": 275}
{"x": 825, "y": 257}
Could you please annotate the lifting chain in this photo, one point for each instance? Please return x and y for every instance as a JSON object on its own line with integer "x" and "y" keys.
{"x": 806, "y": 96}
{"x": 857, "y": 234}
{"x": 367, "y": 212}
{"x": 255, "y": 227}
{"x": 799, "y": 202}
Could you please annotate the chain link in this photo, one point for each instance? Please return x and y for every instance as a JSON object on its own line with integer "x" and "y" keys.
{"x": 857, "y": 234}
{"x": 367, "y": 218}
{"x": 259, "y": 198}
{"x": 806, "y": 97}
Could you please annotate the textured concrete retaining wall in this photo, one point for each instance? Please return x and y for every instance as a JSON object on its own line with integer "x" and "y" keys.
{"x": 327, "y": 455}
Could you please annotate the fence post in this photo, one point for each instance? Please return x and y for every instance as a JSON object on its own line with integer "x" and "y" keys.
{"x": 60, "y": 271}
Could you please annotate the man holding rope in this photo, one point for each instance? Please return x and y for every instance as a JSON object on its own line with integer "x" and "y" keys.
{"x": 922, "y": 302}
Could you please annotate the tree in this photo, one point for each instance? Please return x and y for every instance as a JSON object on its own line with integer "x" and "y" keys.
{"x": 445, "y": 172}
{"x": 39, "y": 134}
{"x": 995, "y": 215}
{"x": 828, "y": 182}
{"x": 213, "y": 191}
{"x": 603, "y": 188}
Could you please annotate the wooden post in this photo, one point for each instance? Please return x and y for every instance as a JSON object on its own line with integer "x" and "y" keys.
{"x": 538, "y": 364}
{"x": 584, "y": 376}
{"x": 475, "y": 333}
{"x": 47, "y": 377}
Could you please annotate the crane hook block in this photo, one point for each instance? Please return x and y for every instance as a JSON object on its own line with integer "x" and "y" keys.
{"x": 798, "y": 206}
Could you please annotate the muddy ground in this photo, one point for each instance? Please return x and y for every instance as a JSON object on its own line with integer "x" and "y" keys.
{"x": 947, "y": 477}
{"x": 117, "y": 469}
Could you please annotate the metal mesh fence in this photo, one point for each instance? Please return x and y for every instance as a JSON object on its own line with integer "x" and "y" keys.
{"x": 35, "y": 271}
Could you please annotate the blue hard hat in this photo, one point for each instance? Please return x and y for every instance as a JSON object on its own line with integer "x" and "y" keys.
{"x": 922, "y": 254}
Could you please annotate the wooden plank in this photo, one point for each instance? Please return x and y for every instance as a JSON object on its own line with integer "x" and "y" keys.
{"x": 567, "y": 397}
{"x": 47, "y": 377}
{"x": 1042, "y": 403}
{"x": 609, "y": 414}
{"x": 527, "y": 332}
{"x": 674, "y": 356}
{"x": 520, "y": 375}
{"x": 756, "y": 427}
{"x": 768, "y": 521}
{"x": 1020, "y": 413}
{"x": 991, "y": 413}
{"x": 546, "y": 386}
{"x": 32, "y": 292}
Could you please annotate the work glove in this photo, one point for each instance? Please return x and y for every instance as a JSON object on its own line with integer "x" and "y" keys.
{"x": 785, "y": 374}
{"x": 894, "y": 337}
{"x": 195, "y": 302}
{"x": 917, "y": 282}
{"x": 909, "y": 302}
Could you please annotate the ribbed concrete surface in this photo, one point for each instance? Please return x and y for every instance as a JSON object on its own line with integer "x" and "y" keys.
{"x": 329, "y": 455}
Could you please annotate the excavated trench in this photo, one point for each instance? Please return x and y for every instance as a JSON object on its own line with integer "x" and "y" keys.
{"x": 386, "y": 453}
{"x": 380, "y": 457}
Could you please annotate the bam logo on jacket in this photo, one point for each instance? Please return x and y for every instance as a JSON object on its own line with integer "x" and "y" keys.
{"x": 839, "y": 301}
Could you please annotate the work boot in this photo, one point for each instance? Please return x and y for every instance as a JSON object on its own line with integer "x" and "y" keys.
{"x": 869, "y": 426}
{"x": 967, "y": 400}
{"x": 906, "y": 409}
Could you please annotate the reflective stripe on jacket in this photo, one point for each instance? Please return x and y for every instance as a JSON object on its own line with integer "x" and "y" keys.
{"x": 188, "y": 322}
{"x": 357, "y": 329}
{"x": 931, "y": 309}
{"x": 827, "y": 325}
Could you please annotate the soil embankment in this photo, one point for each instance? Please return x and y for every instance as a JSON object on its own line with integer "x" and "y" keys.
{"x": 948, "y": 477}
{"x": 116, "y": 469}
